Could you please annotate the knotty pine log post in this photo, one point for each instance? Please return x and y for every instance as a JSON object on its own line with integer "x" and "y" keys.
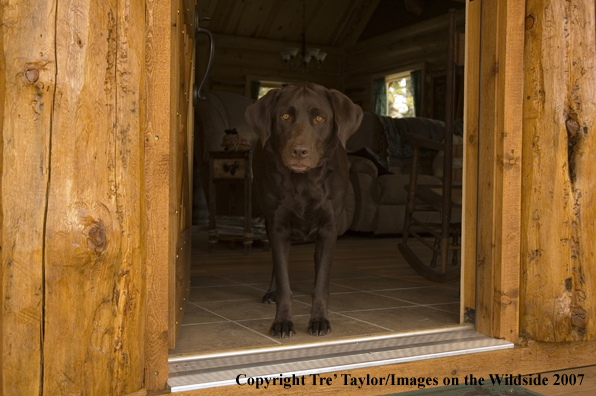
{"x": 558, "y": 211}
{"x": 28, "y": 80}
{"x": 73, "y": 283}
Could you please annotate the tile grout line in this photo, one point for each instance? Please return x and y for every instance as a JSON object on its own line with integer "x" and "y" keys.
{"x": 222, "y": 301}
{"x": 392, "y": 298}
{"x": 397, "y": 299}
{"x": 358, "y": 320}
{"x": 247, "y": 328}
{"x": 263, "y": 335}
{"x": 442, "y": 310}
{"x": 204, "y": 323}
{"x": 363, "y": 321}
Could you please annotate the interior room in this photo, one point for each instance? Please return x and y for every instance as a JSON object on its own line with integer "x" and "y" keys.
{"x": 389, "y": 57}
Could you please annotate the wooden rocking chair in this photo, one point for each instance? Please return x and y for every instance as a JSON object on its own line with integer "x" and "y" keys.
{"x": 445, "y": 198}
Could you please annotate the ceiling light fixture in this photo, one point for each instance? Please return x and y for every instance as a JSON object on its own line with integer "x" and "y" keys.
{"x": 303, "y": 58}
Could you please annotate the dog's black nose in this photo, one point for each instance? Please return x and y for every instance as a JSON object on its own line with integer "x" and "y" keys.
{"x": 300, "y": 152}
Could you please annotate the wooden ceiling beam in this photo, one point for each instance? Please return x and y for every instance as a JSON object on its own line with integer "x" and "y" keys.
{"x": 362, "y": 15}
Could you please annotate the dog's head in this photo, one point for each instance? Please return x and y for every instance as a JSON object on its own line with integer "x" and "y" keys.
{"x": 301, "y": 121}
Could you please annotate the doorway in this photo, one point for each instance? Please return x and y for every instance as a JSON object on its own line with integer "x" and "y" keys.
{"x": 211, "y": 279}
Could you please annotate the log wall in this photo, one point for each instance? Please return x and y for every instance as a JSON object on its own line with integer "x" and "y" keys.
{"x": 423, "y": 44}
{"x": 238, "y": 59}
{"x": 558, "y": 211}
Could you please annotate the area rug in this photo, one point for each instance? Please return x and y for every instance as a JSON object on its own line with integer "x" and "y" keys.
{"x": 470, "y": 390}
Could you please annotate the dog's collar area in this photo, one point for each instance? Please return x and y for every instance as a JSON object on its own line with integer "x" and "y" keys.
{"x": 318, "y": 166}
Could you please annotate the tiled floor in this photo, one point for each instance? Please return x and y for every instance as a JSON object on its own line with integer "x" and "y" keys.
{"x": 372, "y": 292}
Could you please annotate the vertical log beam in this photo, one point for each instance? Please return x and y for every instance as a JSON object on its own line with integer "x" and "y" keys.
{"x": 94, "y": 274}
{"x": 72, "y": 259}
{"x": 558, "y": 245}
{"x": 157, "y": 189}
{"x": 499, "y": 204}
{"x": 29, "y": 81}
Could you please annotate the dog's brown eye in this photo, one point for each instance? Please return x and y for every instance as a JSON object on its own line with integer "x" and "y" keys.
{"x": 319, "y": 119}
{"x": 285, "y": 116}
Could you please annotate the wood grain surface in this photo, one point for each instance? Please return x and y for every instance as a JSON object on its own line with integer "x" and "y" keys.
{"x": 29, "y": 81}
{"x": 558, "y": 245}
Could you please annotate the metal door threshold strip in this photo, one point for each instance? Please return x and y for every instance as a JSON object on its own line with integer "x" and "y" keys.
{"x": 221, "y": 369}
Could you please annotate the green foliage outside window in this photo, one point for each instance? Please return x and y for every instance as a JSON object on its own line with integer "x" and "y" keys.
{"x": 400, "y": 99}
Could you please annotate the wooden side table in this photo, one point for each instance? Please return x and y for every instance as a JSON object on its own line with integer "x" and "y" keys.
{"x": 231, "y": 166}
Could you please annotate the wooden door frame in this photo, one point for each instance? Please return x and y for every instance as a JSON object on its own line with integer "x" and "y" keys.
{"x": 500, "y": 125}
{"x": 491, "y": 255}
{"x": 159, "y": 161}
{"x": 168, "y": 124}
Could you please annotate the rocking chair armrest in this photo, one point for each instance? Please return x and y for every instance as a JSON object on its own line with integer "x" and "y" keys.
{"x": 421, "y": 141}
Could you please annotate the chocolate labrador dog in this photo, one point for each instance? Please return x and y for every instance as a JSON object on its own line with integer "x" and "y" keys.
{"x": 301, "y": 179}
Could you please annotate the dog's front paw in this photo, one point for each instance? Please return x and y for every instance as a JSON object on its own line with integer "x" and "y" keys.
{"x": 283, "y": 328}
{"x": 319, "y": 327}
{"x": 269, "y": 297}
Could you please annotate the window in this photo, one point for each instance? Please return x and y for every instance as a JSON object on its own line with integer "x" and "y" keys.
{"x": 400, "y": 95}
{"x": 266, "y": 86}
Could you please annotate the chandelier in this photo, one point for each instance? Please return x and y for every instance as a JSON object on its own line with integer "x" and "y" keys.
{"x": 303, "y": 58}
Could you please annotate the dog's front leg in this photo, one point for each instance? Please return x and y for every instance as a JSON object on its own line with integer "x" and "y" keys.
{"x": 325, "y": 247}
{"x": 269, "y": 297}
{"x": 280, "y": 248}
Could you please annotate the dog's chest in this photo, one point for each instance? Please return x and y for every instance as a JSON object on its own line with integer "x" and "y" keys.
{"x": 307, "y": 204}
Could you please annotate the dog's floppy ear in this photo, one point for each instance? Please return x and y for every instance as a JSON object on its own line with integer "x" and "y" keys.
{"x": 258, "y": 115}
{"x": 347, "y": 115}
